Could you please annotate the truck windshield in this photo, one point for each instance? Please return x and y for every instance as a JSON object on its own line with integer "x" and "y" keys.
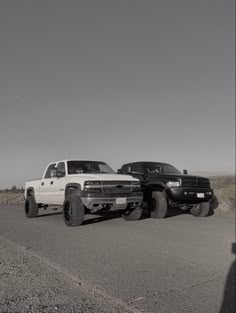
{"x": 156, "y": 168}
{"x": 79, "y": 167}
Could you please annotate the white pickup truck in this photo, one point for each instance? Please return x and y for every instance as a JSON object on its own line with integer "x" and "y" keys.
{"x": 81, "y": 187}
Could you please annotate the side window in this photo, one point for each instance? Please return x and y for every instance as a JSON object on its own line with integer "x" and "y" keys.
{"x": 154, "y": 170}
{"x": 137, "y": 171}
{"x": 48, "y": 172}
{"x": 137, "y": 168}
{"x": 61, "y": 168}
{"x": 124, "y": 169}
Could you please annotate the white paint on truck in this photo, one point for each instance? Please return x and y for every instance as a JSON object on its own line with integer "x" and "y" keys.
{"x": 50, "y": 190}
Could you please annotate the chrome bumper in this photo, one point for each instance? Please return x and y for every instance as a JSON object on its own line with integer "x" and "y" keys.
{"x": 92, "y": 203}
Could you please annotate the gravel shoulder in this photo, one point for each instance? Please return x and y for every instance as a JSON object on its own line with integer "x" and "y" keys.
{"x": 29, "y": 285}
{"x": 180, "y": 264}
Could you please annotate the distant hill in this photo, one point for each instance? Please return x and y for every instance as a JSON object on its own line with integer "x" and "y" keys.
{"x": 211, "y": 174}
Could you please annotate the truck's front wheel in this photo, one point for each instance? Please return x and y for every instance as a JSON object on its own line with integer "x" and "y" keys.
{"x": 73, "y": 211}
{"x": 201, "y": 210}
{"x": 31, "y": 207}
{"x": 159, "y": 205}
{"x": 133, "y": 214}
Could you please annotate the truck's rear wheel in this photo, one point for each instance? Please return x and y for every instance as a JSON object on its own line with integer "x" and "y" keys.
{"x": 159, "y": 205}
{"x": 133, "y": 214}
{"x": 201, "y": 210}
{"x": 31, "y": 207}
{"x": 73, "y": 211}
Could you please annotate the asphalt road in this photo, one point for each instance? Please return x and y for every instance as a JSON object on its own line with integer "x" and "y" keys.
{"x": 175, "y": 265}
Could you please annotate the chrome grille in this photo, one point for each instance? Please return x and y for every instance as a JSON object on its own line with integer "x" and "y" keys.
{"x": 116, "y": 182}
{"x": 115, "y": 191}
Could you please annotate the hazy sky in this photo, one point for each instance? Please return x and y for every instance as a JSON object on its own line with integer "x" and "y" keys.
{"x": 116, "y": 81}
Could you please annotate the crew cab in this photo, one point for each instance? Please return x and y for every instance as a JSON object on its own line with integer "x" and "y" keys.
{"x": 165, "y": 187}
{"x": 81, "y": 187}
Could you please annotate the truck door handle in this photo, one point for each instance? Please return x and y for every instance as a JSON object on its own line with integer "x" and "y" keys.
{"x": 51, "y": 182}
{"x": 42, "y": 183}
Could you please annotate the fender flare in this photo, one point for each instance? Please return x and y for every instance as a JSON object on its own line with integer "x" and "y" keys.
{"x": 73, "y": 189}
{"x": 150, "y": 188}
{"x": 157, "y": 186}
{"x": 29, "y": 192}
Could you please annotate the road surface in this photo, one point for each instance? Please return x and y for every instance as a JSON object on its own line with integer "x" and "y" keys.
{"x": 175, "y": 265}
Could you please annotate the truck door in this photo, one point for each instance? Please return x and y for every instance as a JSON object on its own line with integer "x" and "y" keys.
{"x": 57, "y": 185}
{"x": 44, "y": 191}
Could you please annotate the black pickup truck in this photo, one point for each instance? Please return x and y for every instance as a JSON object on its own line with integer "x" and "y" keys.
{"x": 164, "y": 187}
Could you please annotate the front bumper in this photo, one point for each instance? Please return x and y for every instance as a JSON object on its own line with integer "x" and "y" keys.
{"x": 189, "y": 195}
{"x": 98, "y": 201}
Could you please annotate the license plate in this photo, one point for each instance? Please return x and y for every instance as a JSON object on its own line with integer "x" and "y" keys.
{"x": 120, "y": 200}
{"x": 200, "y": 195}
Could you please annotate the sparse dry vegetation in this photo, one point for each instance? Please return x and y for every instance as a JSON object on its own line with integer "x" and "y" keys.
{"x": 224, "y": 187}
{"x": 12, "y": 196}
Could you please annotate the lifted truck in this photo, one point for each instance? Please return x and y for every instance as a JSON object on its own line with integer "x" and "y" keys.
{"x": 81, "y": 187}
{"x": 164, "y": 187}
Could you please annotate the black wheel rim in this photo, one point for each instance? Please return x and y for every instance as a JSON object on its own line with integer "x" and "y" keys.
{"x": 67, "y": 211}
{"x": 137, "y": 212}
{"x": 197, "y": 209}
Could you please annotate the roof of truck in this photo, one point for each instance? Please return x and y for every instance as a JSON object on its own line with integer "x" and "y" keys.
{"x": 77, "y": 160}
{"x": 145, "y": 162}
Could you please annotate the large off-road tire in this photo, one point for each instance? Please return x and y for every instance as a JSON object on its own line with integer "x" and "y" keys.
{"x": 159, "y": 205}
{"x": 133, "y": 214}
{"x": 73, "y": 211}
{"x": 201, "y": 210}
{"x": 31, "y": 207}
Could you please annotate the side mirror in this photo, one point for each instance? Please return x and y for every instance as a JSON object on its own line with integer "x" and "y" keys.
{"x": 53, "y": 173}
{"x": 185, "y": 172}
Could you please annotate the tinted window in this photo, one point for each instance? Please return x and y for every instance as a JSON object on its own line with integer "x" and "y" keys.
{"x": 167, "y": 168}
{"x": 137, "y": 168}
{"x": 156, "y": 168}
{"x": 124, "y": 168}
{"x": 61, "y": 168}
{"x": 79, "y": 167}
{"x": 48, "y": 172}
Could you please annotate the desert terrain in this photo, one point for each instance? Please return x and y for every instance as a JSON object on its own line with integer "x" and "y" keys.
{"x": 180, "y": 264}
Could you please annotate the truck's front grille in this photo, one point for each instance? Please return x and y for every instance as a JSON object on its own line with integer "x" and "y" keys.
{"x": 116, "y": 182}
{"x": 195, "y": 182}
{"x": 114, "y": 190}
{"x": 117, "y": 187}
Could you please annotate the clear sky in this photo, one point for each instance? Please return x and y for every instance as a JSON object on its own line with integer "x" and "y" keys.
{"x": 118, "y": 81}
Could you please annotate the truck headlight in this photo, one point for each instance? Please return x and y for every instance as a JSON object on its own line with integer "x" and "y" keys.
{"x": 173, "y": 184}
{"x": 92, "y": 183}
{"x": 91, "y": 190}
